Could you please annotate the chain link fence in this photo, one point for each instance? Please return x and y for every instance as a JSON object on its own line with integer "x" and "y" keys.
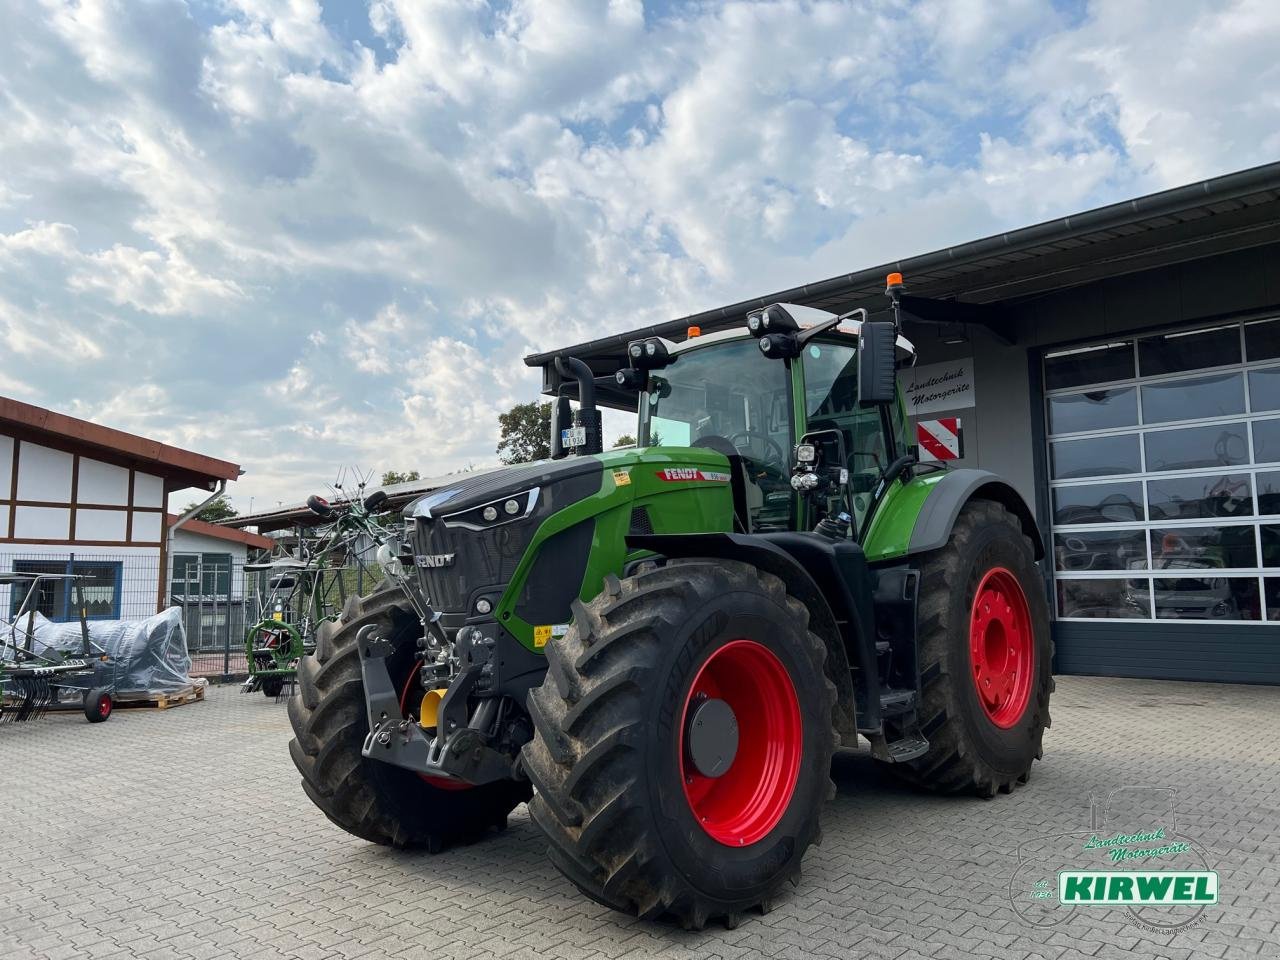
{"x": 219, "y": 598}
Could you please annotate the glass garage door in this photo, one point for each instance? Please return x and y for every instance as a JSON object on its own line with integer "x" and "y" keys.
{"x": 1164, "y": 464}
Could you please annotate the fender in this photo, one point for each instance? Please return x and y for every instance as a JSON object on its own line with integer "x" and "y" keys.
{"x": 829, "y": 579}
{"x": 938, "y": 514}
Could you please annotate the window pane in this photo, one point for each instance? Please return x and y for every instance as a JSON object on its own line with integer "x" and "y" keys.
{"x": 1098, "y": 503}
{"x": 1101, "y": 364}
{"x": 1270, "y": 536}
{"x": 1266, "y": 441}
{"x": 1219, "y": 445}
{"x": 1197, "y": 548}
{"x": 51, "y": 596}
{"x": 1268, "y": 492}
{"x": 1179, "y": 498}
{"x": 1096, "y": 457}
{"x": 1095, "y": 410}
{"x": 1262, "y": 340}
{"x": 1220, "y": 396}
{"x": 98, "y": 589}
{"x": 1111, "y": 599}
{"x": 1213, "y": 598}
{"x": 1272, "y": 586}
{"x": 1264, "y": 389}
{"x": 1100, "y": 550}
{"x": 1178, "y": 352}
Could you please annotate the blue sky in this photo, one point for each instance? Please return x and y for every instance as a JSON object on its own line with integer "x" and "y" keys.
{"x": 303, "y": 235}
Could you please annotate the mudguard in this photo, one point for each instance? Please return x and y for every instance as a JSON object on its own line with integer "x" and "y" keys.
{"x": 938, "y": 513}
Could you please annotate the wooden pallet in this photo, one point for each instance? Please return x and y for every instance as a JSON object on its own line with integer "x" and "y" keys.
{"x": 158, "y": 701}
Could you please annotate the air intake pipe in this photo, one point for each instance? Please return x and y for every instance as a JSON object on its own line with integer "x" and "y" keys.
{"x": 588, "y": 431}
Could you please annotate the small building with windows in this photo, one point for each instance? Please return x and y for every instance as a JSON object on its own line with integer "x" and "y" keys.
{"x": 1121, "y": 368}
{"x": 80, "y": 498}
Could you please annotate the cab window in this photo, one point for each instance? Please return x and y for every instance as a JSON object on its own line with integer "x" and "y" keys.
{"x": 831, "y": 403}
{"x": 728, "y": 395}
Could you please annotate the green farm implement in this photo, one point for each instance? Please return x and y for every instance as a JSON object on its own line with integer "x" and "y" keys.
{"x": 301, "y": 593}
{"x": 661, "y": 648}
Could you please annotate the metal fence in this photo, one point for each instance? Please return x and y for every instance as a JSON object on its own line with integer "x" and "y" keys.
{"x": 219, "y": 599}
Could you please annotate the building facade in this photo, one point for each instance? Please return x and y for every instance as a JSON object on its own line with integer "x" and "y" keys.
{"x": 79, "y": 498}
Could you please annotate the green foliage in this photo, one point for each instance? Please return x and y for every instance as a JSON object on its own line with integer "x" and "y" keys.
{"x": 525, "y": 432}
{"x": 626, "y": 440}
{"x": 394, "y": 476}
{"x": 220, "y": 509}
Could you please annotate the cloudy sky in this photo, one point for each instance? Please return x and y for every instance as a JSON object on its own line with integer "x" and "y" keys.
{"x": 300, "y": 234}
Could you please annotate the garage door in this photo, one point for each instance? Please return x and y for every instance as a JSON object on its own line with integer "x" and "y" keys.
{"x": 1164, "y": 463}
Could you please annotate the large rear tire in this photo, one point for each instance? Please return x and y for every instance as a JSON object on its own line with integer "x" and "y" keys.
{"x": 683, "y": 742}
{"x": 376, "y": 801}
{"x": 985, "y": 658}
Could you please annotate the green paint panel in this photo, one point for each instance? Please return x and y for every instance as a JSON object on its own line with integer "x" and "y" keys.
{"x": 890, "y": 533}
{"x": 687, "y": 490}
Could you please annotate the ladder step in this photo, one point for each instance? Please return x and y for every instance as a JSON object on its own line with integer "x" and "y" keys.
{"x": 896, "y": 702}
{"x": 882, "y": 647}
{"x": 908, "y": 748}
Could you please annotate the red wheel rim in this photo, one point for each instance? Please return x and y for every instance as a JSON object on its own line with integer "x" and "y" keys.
{"x": 104, "y": 705}
{"x": 743, "y": 804}
{"x": 1001, "y": 647}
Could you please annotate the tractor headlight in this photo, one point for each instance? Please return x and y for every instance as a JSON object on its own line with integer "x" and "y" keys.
{"x": 753, "y": 324}
{"x": 806, "y": 453}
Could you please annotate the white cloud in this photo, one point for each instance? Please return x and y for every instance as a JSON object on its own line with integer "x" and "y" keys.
{"x": 319, "y": 248}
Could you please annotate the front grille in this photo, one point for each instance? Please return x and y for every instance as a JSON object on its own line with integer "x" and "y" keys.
{"x": 481, "y": 558}
{"x": 440, "y": 584}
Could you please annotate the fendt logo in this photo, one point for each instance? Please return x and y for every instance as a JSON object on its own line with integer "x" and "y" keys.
{"x": 431, "y": 560}
{"x": 691, "y": 473}
{"x": 1166, "y": 886}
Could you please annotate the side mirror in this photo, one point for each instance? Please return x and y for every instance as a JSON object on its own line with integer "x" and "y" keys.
{"x": 877, "y": 367}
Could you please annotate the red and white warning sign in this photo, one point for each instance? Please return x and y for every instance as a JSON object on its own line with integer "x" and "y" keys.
{"x": 940, "y": 439}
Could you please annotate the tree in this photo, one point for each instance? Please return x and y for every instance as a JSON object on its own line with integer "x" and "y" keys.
{"x": 394, "y": 476}
{"x": 525, "y": 432}
{"x": 220, "y": 509}
{"x": 626, "y": 440}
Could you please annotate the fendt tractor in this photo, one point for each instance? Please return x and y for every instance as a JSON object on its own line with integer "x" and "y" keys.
{"x": 660, "y": 648}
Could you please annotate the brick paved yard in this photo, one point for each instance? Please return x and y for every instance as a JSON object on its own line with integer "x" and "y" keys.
{"x": 185, "y": 834}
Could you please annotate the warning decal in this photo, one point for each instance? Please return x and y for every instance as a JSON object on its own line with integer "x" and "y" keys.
{"x": 940, "y": 439}
{"x": 691, "y": 473}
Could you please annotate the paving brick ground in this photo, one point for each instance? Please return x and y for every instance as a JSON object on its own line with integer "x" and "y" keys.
{"x": 185, "y": 834}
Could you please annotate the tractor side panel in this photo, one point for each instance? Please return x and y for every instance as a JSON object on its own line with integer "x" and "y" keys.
{"x": 659, "y": 489}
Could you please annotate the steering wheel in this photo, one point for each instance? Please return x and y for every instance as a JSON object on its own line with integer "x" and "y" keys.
{"x": 779, "y": 458}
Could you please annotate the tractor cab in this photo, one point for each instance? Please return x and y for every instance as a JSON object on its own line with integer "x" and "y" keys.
{"x": 778, "y": 419}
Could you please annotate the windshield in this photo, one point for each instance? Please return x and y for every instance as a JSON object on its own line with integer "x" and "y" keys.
{"x": 729, "y": 395}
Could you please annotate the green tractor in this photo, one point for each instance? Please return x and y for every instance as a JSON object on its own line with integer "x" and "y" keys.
{"x": 661, "y": 648}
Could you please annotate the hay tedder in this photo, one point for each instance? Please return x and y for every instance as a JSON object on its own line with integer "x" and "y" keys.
{"x": 661, "y": 647}
{"x": 300, "y": 593}
{"x": 37, "y": 678}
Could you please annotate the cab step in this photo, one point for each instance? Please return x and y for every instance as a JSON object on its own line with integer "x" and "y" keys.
{"x": 894, "y": 703}
{"x": 908, "y": 748}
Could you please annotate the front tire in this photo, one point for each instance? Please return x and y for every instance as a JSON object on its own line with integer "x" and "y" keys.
{"x": 683, "y": 742}
{"x": 370, "y": 799}
{"x": 985, "y": 658}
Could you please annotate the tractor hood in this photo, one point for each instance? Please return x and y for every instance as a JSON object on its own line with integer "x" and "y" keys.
{"x": 475, "y": 490}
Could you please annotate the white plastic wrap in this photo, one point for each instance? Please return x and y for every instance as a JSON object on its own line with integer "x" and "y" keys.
{"x": 148, "y": 656}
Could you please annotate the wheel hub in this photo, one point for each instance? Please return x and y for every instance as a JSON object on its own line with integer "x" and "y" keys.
{"x": 712, "y": 737}
{"x": 1001, "y": 646}
{"x": 741, "y": 743}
